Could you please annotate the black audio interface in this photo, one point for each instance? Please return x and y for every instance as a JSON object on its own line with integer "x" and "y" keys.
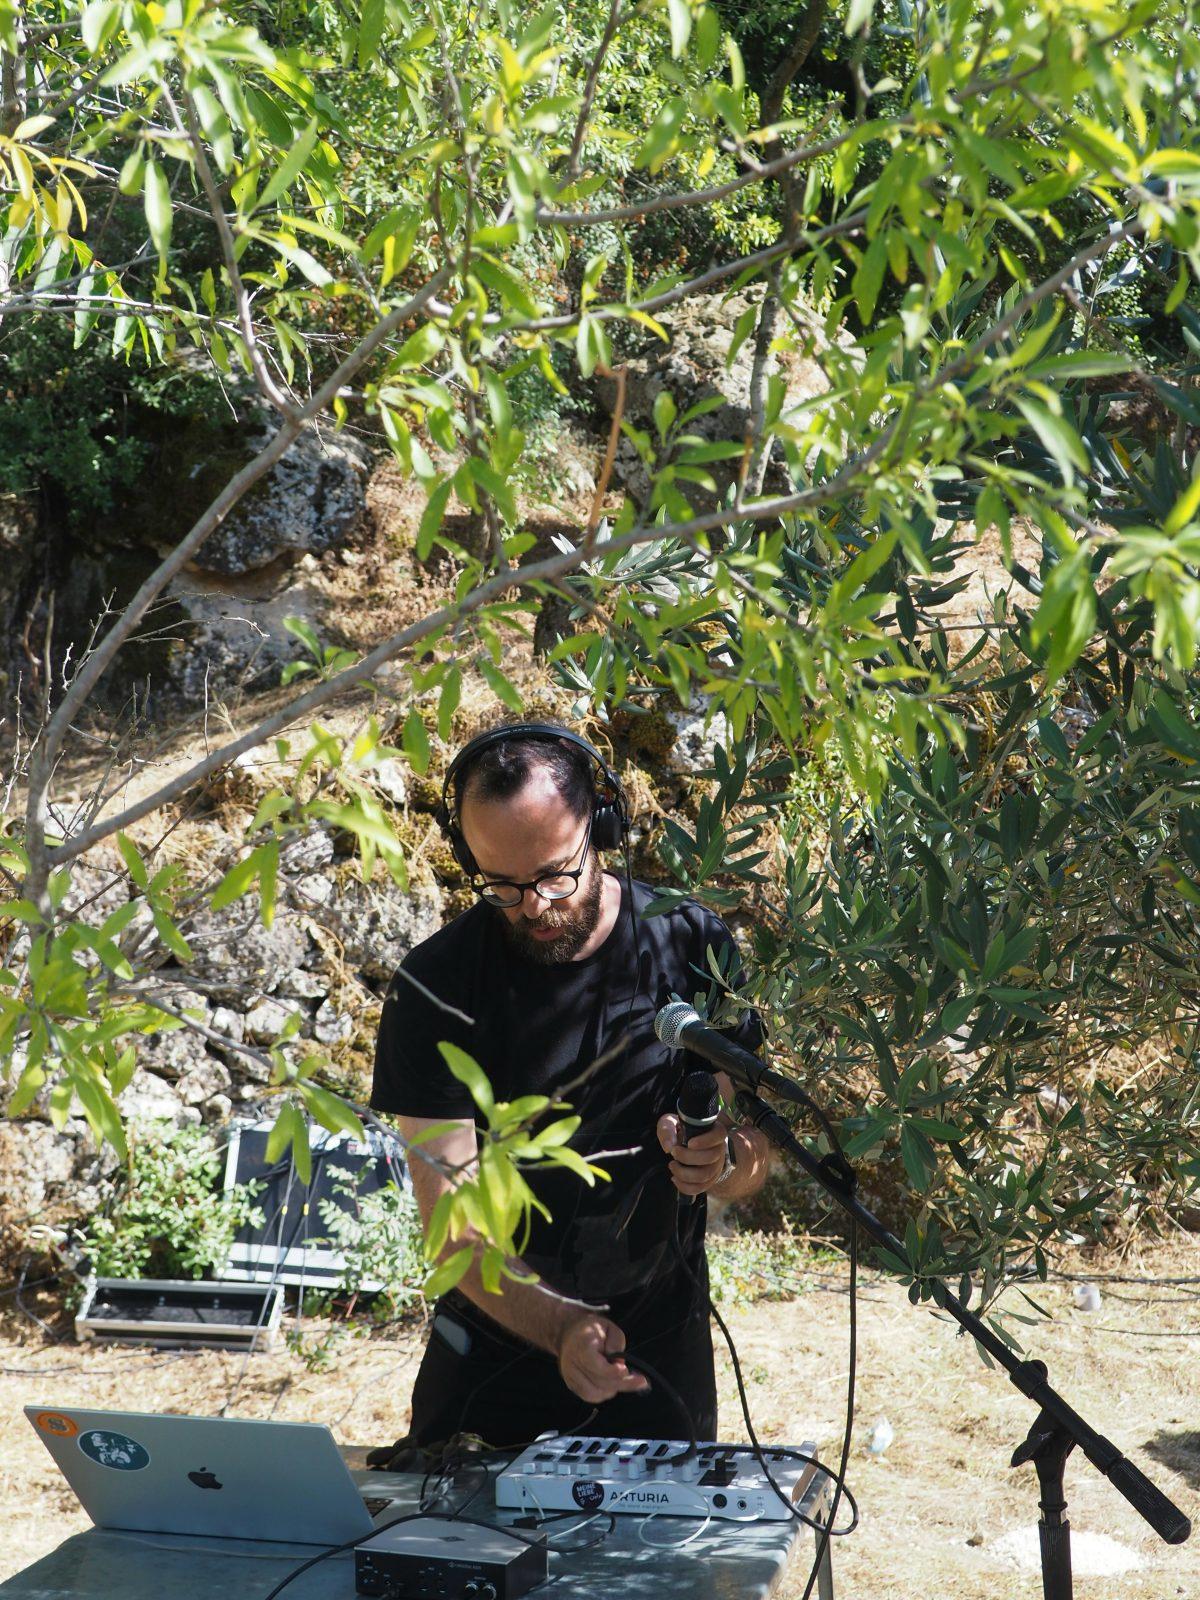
{"x": 440, "y": 1558}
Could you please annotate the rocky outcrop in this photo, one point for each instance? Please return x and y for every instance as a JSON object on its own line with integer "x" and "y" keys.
{"x": 243, "y": 987}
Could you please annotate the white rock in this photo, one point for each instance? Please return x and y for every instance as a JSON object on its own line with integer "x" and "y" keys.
{"x": 880, "y": 1436}
{"x": 331, "y": 1026}
{"x": 698, "y": 731}
{"x": 300, "y": 984}
{"x": 315, "y": 888}
{"x": 265, "y": 1018}
{"x": 148, "y": 1098}
{"x": 1087, "y": 1296}
{"x": 230, "y": 1023}
{"x": 388, "y": 777}
{"x": 205, "y": 1079}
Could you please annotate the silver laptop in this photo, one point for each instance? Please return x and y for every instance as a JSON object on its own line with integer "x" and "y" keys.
{"x": 223, "y": 1476}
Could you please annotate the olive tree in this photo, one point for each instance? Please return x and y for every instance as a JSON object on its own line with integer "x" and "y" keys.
{"x": 463, "y": 192}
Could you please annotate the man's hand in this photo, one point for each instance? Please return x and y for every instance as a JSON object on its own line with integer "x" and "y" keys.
{"x": 584, "y": 1361}
{"x": 697, "y": 1165}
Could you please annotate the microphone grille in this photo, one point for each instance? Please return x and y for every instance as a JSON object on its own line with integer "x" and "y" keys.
{"x": 672, "y": 1020}
{"x": 699, "y": 1098}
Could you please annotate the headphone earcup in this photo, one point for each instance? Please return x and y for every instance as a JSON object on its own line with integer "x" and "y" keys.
{"x": 458, "y": 847}
{"x": 454, "y": 838}
{"x": 608, "y": 825}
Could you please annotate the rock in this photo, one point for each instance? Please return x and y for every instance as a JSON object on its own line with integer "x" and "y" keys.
{"x": 389, "y": 778}
{"x": 234, "y": 955}
{"x": 378, "y": 925}
{"x": 698, "y": 731}
{"x": 316, "y": 889}
{"x": 331, "y": 1026}
{"x": 305, "y": 852}
{"x": 303, "y": 985}
{"x": 149, "y": 1098}
{"x": 230, "y": 1023}
{"x": 94, "y": 893}
{"x": 311, "y": 501}
{"x": 34, "y": 1161}
{"x": 693, "y": 367}
{"x": 218, "y": 1109}
{"x": 265, "y": 1019}
{"x": 176, "y": 1050}
{"x": 204, "y": 1080}
{"x": 233, "y": 635}
{"x": 1087, "y": 1296}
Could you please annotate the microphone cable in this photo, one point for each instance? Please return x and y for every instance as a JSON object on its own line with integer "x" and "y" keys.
{"x": 824, "y": 1530}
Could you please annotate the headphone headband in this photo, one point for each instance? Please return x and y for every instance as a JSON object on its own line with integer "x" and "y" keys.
{"x": 610, "y": 811}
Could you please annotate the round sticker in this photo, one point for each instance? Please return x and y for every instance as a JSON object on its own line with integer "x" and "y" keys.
{"x": 115, "y": 1450}
{"x": 587, "y": 1494}
{"x": 54, "y": 1422}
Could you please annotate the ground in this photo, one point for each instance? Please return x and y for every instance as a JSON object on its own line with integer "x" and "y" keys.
{"x": 942, "y": 1512}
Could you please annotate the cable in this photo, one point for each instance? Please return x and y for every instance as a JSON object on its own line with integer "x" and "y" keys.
{"x": 672, "y": 1394}
{"x": 410, "y": 1516}
{"x": 836, "y": 1478}
{"x": 824, "y": 1537}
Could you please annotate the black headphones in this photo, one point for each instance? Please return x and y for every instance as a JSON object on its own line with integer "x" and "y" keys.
{"x": 610, "y": 808}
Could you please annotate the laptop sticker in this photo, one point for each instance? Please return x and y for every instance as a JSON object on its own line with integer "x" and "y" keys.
{"x": 54, "y": 1422}
{"x": 116, "y": 1450}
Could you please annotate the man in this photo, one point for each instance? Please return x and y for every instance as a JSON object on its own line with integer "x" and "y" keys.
{"x": 553, "y": 966}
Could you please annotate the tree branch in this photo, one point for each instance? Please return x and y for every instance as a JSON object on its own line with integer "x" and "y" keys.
{"x": 282, "y": 402}
{"x": 91, "y": 670}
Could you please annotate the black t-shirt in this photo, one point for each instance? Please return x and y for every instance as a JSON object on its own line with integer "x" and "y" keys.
{"x": 535, "y": 1029}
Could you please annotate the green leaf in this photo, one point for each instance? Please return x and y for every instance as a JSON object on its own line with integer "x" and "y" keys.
{"x": 452, "y": 1270}
{"x": 157, "y": 202}
{"x": 370, "y": 30}
{"x": 1184, "y": 511}
{"x": 289, "y": 168}
{"x": 506, "y": 284}
{"x": 500, "y": 685}
{"x": 468, "y": 1071}
{"x": 1058, "y": 436}
{"x": 99, "y": 23}
{"x": 680, "y": 15}
{"x": 419, "y": 347}
{"x": 331, "y": 1111}
{"x": 132, "y": 857}
{"x": 432, "y": 518}
{"x": 415, "y": 740}
{"x": 858, "y": 14}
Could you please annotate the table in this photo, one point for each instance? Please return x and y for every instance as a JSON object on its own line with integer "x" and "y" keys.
{"x": 728, "y": 1561}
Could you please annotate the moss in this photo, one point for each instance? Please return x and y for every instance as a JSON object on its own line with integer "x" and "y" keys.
{"x": 647, "y": 735}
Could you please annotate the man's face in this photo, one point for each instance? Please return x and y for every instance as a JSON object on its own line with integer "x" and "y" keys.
{"x": 530, "y": 835}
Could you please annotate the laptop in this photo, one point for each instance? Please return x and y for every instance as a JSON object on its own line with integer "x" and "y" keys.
{"x": 220, "y": 1476}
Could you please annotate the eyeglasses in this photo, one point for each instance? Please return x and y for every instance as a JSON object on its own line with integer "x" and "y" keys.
{"x": 555, "y": 886}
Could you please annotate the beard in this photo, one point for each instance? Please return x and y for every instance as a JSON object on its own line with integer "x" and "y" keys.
{"x": 578, "y": 924}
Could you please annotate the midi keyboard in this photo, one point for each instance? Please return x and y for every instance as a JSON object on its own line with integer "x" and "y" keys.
{"x": 660, "y": 1477}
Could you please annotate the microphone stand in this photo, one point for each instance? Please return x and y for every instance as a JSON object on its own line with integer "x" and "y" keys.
{"x": 1056, "y": 1430}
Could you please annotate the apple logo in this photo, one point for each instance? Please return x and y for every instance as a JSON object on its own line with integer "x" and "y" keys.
{"x": 204, "y": 1479}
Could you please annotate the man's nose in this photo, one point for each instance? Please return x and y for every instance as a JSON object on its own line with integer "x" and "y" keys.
{"x": 538, "y": 901}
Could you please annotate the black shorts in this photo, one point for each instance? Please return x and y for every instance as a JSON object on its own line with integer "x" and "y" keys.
{"x": 476, "y": 1378}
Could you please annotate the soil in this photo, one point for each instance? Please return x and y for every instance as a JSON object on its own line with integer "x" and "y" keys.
{"x": 942, "y": 1512}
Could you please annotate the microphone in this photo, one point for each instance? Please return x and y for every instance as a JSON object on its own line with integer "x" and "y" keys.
{"x": 699, "y": 1104}
{"x": 680, "y": 1027}
{"x": 698, "y": 1107}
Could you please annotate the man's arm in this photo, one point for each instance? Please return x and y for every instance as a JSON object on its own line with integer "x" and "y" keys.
{"x": 696, "y": 1167}
{"x": 580, "y": 1341}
